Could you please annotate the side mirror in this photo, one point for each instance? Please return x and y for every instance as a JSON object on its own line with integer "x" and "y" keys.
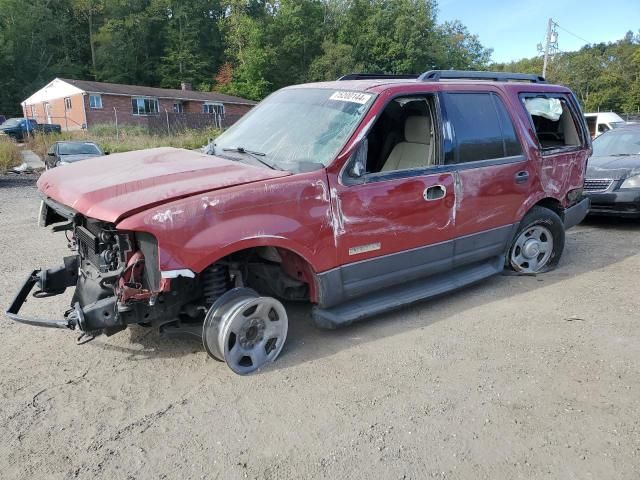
{"x": 51, "y": 154}
{"x": 359, "y": 162}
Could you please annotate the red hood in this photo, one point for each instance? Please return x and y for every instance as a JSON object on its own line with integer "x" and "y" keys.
{"x": 111, "y": 188}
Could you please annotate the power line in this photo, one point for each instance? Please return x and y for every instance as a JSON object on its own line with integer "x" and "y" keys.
{"x": 570, "y": 33}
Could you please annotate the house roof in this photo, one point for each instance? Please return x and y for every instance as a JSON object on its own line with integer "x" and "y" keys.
{"x": 139, "y": 90}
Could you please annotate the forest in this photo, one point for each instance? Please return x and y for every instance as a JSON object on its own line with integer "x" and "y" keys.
{"x": 250, "y": 48}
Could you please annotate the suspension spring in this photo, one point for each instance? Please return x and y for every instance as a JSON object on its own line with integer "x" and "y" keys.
{"x": 215, "y": 281}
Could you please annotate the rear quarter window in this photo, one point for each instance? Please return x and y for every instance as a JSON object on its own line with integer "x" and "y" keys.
{"x": 480, "y": 128}
{"x": 555, "y": 123}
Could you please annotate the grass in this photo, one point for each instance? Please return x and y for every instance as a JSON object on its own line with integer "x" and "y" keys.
{"x": 127, "y": 139}
{"x": 10, "y": 155}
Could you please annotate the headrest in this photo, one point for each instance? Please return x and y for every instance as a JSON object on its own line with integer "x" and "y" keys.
{"x": 417, "y": 129}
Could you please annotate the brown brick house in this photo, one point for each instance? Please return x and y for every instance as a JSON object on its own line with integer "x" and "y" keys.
{"x": 77, "y": 104}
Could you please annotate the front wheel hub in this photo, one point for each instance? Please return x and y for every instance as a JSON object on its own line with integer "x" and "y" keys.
{"x": 245, "y": 330}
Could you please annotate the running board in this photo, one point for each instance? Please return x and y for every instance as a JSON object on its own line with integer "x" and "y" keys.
{"x": 393, "y": 298}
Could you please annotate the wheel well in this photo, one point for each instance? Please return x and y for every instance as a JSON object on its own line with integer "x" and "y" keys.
{"x": 272, "y": 271}
{"x": 551, "y": 204}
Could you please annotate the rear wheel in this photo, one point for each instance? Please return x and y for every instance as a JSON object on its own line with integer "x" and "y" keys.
{"x": 539, "y": 242}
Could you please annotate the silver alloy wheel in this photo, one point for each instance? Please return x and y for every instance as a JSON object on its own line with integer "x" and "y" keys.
{"x": 245, "y": 330}
{"x": 532, "y": 249}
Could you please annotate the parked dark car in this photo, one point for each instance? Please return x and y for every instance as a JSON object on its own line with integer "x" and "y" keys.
{"x": 359, "y": 196}
{"x": 19, "y": 128}
{"x": 613, "y": 173}
{"x": 62, "y": 153}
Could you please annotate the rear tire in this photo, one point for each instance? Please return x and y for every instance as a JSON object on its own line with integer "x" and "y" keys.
{"x": 538, "y": 244}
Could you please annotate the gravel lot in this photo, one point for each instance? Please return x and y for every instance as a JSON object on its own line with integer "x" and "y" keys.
{"x": 518, "y": 377}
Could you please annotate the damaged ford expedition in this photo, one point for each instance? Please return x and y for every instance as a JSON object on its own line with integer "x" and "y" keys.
{"x": 359, "y": 196}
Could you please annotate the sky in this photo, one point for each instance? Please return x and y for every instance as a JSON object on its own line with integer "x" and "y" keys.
{"x": 514, "y": 28}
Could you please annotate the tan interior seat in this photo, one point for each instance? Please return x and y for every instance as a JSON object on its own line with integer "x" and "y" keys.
{"x": 416, "y": 150}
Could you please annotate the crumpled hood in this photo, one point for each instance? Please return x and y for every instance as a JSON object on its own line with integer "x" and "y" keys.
{"x": 114, "y": 187}
{"x": 614, "y": 167}
{"x": 80, "y": 156}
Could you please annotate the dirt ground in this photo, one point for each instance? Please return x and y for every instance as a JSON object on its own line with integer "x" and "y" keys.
{"x": 515, "y": 378}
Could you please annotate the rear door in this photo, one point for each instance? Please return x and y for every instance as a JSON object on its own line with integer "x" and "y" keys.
{"x": 493, "y": 176}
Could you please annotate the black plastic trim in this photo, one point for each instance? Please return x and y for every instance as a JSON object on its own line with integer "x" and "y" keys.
{"x": 355, "y": 279}
{"x": 576, "y": 213}
{"x": 401, "y": 295}
{"x": 437, "y": 75}
{"x": 378, "y": 76}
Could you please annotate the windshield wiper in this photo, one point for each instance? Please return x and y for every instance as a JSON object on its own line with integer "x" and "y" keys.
{"x": 253, "y": 154}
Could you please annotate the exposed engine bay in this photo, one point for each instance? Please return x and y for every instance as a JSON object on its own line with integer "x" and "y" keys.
{"x": 118, "y": 282}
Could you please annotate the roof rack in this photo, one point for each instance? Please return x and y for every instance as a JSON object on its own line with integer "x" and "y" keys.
{"x": 437, "y": 75}
{"x": 377, "y": 76}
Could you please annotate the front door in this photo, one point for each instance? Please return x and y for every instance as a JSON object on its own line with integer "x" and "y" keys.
{"x": 396, "y": 222}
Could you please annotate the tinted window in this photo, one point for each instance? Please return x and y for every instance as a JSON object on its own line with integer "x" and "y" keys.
{"x": 480, "y": 126}
{"x": 78, "y": 148}
{"x": 475, "y": 127}
{"x": 511, "y": 143}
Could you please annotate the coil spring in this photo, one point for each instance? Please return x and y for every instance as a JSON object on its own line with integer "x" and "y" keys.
{"x": 215, "y": 281}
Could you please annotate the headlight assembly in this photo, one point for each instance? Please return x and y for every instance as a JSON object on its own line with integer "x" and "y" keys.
{"x": 631, "y": 182}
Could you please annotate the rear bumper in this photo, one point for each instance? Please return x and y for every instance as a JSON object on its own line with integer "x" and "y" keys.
{"x": 576, "y": 213}
{"x": 621, "y": 203}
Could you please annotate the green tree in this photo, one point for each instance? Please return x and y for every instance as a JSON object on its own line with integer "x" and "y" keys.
{"x": 461, "y": 49}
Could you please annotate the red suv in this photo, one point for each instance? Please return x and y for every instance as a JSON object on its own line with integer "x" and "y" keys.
{"x": 359, "y": 196}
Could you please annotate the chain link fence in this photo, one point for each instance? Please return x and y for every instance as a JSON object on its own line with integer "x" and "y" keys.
{"x": 161, "y": 123}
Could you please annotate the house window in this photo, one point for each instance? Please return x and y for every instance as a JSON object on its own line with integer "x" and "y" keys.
{"x": 178, "y": 107}
{"x": 95, "y": 101}
{"x": 33, "y": 111}
{"x": 144, "y": 106}
{"x": 214, "y": 108}
{"x": 67, "y": 103}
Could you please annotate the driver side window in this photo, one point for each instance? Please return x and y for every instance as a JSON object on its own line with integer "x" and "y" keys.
{"x": 403, "y": 137}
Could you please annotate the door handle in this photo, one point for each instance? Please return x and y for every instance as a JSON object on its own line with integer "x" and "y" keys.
{"x": 435, "y": 192}
{"x": 522, "y": 176}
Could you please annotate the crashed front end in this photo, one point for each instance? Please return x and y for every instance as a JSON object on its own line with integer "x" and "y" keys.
{"x": 115, "y": 274}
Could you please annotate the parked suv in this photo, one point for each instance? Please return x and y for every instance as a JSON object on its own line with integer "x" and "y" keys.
{"x": 359, "y": 195}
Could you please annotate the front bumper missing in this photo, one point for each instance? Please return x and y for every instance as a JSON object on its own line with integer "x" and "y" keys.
{"x": 99, "y": 316}
{"x": 14, "y": 309}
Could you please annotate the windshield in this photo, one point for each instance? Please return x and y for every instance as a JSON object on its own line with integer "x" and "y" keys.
{"x": 12, "y": 122}
{"x": 78, "y": 149}
{"x": 617, "y": 142}
{"x": 296, "y": 129}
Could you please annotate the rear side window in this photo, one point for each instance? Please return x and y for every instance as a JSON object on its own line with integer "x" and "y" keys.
{"x": 553, "y": 121}
{"x": 480, "y": 128}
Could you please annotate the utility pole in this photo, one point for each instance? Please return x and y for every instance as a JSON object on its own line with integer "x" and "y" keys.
{"x": 550, "y": 45}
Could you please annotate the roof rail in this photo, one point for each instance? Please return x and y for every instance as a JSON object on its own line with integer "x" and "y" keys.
{"x": 377, "y": 76}
{"x": 437, "y": 75}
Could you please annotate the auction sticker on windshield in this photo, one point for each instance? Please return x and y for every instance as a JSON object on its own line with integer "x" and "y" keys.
{"x": 354, "y": 97}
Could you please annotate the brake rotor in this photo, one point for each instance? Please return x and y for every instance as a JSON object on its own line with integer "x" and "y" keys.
{"x": 245, "y": 330}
